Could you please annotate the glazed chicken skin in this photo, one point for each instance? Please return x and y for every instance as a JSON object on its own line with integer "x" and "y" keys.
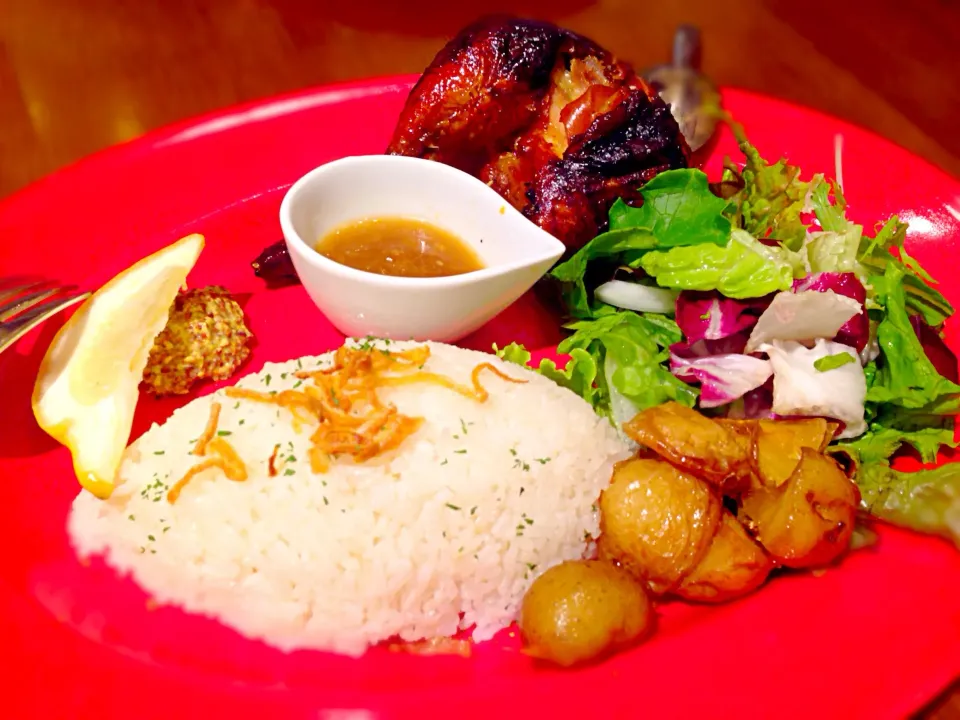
{"x": 550, "y": 120}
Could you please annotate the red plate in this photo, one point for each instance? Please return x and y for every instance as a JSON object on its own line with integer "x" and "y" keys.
{"x": 875, "y": 637}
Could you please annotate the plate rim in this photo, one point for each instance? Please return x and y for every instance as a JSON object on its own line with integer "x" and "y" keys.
{"x": 373, "y": 86}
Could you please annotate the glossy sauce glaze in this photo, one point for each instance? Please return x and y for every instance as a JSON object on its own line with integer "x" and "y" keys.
{"x": 399, "y": 246}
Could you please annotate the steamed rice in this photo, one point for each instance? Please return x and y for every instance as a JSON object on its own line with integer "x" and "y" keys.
{"x": 458, "y": 520}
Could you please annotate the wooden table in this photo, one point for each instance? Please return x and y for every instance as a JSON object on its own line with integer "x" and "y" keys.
{"x": 79, "y": 75}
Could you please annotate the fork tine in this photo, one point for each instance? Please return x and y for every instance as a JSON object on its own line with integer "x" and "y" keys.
{"x": 10, "y": 289}
{"x": 14, "y": 282}
{"x": 26, "y": 302}
{"x": 17, "y": 328}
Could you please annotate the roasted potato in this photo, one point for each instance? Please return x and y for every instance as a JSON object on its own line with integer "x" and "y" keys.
{"x": 721, "y": 454}
{"x": 780, "y": 442}
{"x": 656, "y": 521}
{"x": 734, "y": 565}
{"x": 808, "y": 520}
{"x": 581, "y": 610}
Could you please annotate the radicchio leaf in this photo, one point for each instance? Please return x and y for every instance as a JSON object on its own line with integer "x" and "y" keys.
{"x": 711, "y": 316}
{"x": 935, "y": 348}
{"x": 723, "y": 378}
{"x": 758, "y": 404}
{"x": 706, "y": 348}
{"x": 803, "y": 317}
{"x": 856, "y": 331}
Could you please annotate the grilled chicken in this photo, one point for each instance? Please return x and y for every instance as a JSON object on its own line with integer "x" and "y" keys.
{"x": 554, "y": 123}
{"x": 550, "y": 120}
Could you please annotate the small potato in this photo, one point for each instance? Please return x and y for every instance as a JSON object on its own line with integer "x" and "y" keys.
{"x": 733, "y": 566}
{"x": 656, "y": 521}
{"x": 721, "y": 454}
{"x": 780, "y": 442}
{"x": 809, "y": 519}
{"x": 582, "y": 609}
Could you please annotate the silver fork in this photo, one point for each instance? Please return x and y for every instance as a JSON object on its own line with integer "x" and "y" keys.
{"x": 24, "y": 304}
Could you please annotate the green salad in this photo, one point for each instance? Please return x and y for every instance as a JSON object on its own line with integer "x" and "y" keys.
{"x": 756, "y": 297}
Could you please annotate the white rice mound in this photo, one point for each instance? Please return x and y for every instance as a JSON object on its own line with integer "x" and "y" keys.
{"x": 459, "y": 519}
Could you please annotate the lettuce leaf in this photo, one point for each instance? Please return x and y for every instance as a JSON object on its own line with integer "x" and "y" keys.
{"x": 579, "y": 374}
{"x": 880, "y": 443}
{"x": 799, "y": 388}
{"x": 927, "y": 501}
{"x": 842, "y": 247}
{"x": 744, "y": 268}
{"x": 837, "y": 248}
{"x": 889, "y": 236}
{"x": 836, "y": 253}
{"x": 678, "y": 209}
{"x": 636, "y": 296}
{"x": 632, "y": 346}
{"x": 905, "y": 377}
{"x": 832, "y": 215}
{"x": 878, "y": 251}
{"x": 856, "y": 331}
{"x": 805, "y": 316}
{"x": 513, "y": 353}
{"x": 921, "y": 299}
{"x": 628, "y": 244}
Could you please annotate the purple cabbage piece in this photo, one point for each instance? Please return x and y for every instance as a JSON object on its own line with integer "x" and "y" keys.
{"x": 723, "y": 378}
{"x": 756, "y": 404}
{"x": 705, "y": 348}
{"x": 935, "y": 348}
{"x": 856, "y": 331}
{"x": 711, "y": 316}
{"x": 716, "y": 329}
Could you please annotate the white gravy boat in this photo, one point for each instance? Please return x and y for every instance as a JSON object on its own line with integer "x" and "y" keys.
{"x": 514, "y": 251}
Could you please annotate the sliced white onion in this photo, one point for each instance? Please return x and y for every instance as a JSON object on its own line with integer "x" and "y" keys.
{"x": 636, "y": 297}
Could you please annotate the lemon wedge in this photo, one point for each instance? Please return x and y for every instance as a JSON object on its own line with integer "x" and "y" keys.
{"x": 88, "y": 385}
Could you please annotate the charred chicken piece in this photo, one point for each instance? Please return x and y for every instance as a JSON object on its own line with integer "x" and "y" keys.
{"x": 553, "y": 122}
{"x": 550, "y": 120}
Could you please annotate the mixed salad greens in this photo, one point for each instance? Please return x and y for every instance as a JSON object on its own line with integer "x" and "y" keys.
{"x": 756, "y": 297}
